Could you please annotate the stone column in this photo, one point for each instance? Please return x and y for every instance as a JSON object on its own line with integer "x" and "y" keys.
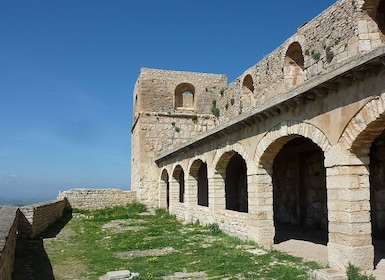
{"x": 217, "y": 199}
{"x": 162, "y": 203}
{"x": 174, "y": 194}
{"x": 190, "y": 192}
{"x": 348, "y": 192}
{"x": 260, "y": 195}
{"x": 190, "y": 195}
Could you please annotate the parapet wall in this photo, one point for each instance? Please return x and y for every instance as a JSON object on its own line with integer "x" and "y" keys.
{"x": 343, "y": 31}
{"x": 97, "y": 198}
{"x": 8, "y": 237}
{"x": 28, "y": 221}
{"x": 41, "y": 215}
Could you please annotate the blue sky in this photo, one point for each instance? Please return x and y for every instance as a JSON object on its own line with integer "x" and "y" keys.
{"x": 68, "y": 69}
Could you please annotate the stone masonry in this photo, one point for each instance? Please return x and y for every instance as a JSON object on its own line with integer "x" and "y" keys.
{"x": 294, "y": 145}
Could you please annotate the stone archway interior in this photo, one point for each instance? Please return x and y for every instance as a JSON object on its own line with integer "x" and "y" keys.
{"x": 203, "y": 190}
{"x": 377, "y": 186}
{"x": 236, "y": 184}
{"x": 299, "y": 190}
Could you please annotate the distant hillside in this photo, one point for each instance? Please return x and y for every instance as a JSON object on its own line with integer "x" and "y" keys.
{"x": 17, "y": 202}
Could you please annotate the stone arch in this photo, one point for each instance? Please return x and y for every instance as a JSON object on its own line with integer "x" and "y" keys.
{"x": 184, "y": 97}
{"x": 179, "y": 176}
{"x": 231, "y": 165}
{"x": 271, "y": 143}
{"x": 220, "y": 159}
{"x": 198, "y": 171}
{"x": 300, "y": 147}
{"x": 267, "y": 149}
{"x": 376, "y": 10}
{"x": 164, "y": 189}
{"x": 364, "y": 127}
{"x": 364, "y": 137}
{"x": 294, "y": 73}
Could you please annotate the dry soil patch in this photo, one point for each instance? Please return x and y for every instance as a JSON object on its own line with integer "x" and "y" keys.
{"x": 145, "y": 253}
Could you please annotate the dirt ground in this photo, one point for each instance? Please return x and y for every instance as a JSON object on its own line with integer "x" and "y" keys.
{"x": 318, "y": 252}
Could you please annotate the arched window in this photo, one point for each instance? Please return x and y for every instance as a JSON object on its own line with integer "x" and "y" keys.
{"x": 184, "y": 98}
{"x": 248, "y": 84}
{"x": 294, "y": 66}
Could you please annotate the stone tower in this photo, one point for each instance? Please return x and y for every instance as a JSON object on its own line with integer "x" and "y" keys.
{"x": 170, "y": 108}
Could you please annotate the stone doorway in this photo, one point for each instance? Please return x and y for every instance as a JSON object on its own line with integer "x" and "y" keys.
{"x": 299, "y": 193}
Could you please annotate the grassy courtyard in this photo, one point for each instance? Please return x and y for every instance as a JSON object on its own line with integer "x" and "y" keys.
{"x": 155, "y": 245}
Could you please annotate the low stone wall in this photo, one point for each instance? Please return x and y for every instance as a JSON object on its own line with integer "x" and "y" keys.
{"x": 97, "y": 198}
{"x": 41, "y": 215}
{"x": 8, "y": 237}
{"x": 27, "y": 221}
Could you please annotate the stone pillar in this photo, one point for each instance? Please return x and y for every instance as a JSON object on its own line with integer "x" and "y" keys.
{"x": 162, "y": 203}
{"x": 190, "y": 192}
{"x": 217, "y": 199}
{"x": 348, "y": 192}
{"x": 190, "y": 195}
{"x": 260, "y": 195}
{"x": 174, "y": 194}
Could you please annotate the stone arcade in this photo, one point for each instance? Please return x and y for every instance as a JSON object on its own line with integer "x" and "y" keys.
{"x": 295, "y": 144}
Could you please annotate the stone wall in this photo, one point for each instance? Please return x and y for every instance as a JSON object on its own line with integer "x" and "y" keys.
{"x": 28, "y": 221}
{"x": 97, "y": 198}
{"x": 155, "y": 90}
{"x": 160, "y": 123}
{"x": 335, "y": 36}
{"x": 8, "y": 237}
{"x": 42, "y": 215}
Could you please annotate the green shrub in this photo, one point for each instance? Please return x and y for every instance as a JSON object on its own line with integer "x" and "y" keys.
{"x": 214, "y": 229}
{"x": 353, "y": 273}
{"x": 214, "y": 109}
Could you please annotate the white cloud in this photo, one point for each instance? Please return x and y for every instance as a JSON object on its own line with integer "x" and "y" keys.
{"x": 11, "y": 176}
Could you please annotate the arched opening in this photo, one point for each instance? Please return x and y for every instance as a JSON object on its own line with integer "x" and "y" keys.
{"x": 203, "y": 186}
{"x": 248, "y": 100}
{"x": 198, "y": 171}
{"x": 294, "y": 73}
{"x": 184, "y": 97}
{"x": 164, "y": 189}
{"x": 377, "y": 195}
{"x": 248, "y": 84}
{"x": 179, "y": 177}
{"x": 236, "y": 184}
{"x": 299, "y": 192}
{"x": 376, "y": 10}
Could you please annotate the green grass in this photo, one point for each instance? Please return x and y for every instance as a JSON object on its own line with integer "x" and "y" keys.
{"x": 94, "y": 249}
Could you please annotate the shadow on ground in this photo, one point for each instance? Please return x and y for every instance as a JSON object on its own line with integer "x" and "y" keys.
{"x": 287, "y": 233}
{"x": 31, "y": 259}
